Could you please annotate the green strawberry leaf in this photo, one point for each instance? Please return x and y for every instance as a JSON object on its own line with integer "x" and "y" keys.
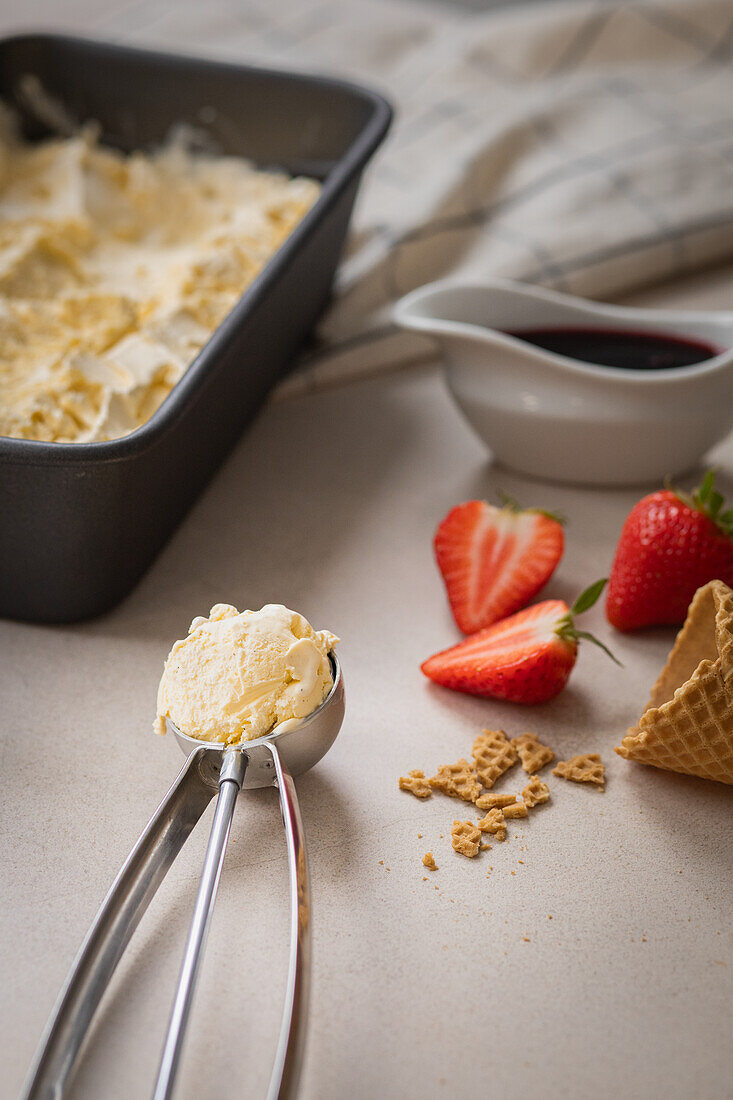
{"x": 586, "y": 599}
{"x": 510, "y": 503}
{"x": 709, "y": 501}
{"x": 706, "y": 487}
{"x": 714, "y": 503}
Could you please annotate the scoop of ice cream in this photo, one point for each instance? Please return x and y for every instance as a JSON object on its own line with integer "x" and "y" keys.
{"x": 239, "y": 674}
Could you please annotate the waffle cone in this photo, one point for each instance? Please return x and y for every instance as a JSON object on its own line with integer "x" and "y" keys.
{"x": 687, "y": 725}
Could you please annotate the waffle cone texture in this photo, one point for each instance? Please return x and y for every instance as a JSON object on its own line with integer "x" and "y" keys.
{"x": 687, "y": 725}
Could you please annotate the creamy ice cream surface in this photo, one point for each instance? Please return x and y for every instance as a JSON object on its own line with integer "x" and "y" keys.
{"x": 115, "y": 269}
{"x": 239, "y": 674}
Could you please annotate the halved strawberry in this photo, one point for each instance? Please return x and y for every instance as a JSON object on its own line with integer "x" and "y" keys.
{"x": 526, "y": 658}
{"x": 495, "y": 560}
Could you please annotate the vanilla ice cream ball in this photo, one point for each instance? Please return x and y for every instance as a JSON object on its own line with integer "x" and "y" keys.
{"x": 239, "y": 674}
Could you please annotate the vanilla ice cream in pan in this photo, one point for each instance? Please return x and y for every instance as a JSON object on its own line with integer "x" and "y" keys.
{"x": 116, "y": 268}
{"x": 86, "y": 502}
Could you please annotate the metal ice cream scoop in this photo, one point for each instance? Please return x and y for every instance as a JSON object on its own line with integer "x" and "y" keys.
{"x": 272, "y": 760}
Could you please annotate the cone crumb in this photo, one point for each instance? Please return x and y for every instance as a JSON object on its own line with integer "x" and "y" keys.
{"x": 471, "y": 781}
{"x": 517, "y": 809}
{"x": 533, "y": 754}
{"x": 535, "y": 793}
{"x": 415, "y": 783}
{"x": 494, "y": 823}
{"x": 493, "y": 754}
{"x": 465, "y": 838}
{"x": 458, "y": 780}
{"x": 586, "y": 768}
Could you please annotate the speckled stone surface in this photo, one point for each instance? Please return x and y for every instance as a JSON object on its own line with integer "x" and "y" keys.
{"x": 432, "y": 988}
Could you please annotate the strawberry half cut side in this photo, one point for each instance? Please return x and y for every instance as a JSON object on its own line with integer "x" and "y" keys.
{"x": 495, "y": 560}
{"x": 526, "y": 658}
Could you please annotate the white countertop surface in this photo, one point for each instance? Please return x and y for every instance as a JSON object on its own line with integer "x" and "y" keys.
{"x": 454, "y": 986}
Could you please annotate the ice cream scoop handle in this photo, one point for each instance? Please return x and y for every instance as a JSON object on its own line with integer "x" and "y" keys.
{"x": 233, "y": 768}
{"x": 289, "y": 1054}
{"x": 117, "y": 919}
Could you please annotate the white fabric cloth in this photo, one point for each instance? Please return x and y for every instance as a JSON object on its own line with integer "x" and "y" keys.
{"x": 586, "y": 146}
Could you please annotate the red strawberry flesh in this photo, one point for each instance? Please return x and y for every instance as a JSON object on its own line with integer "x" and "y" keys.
{"x": 494, "y": 560}
{"x": 521, "y": 659}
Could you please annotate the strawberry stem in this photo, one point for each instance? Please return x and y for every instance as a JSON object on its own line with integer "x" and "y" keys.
{"x": 566, "y": 628}
{"x": 709, "y": 501}
{"x": 512, "y": 505}
{"x": 596, "y": 641}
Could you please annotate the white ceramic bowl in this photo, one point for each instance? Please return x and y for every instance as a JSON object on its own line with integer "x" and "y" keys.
{"x": 561, "y": 419}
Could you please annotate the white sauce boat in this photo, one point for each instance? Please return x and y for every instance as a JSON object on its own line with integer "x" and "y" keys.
{"x": 564, "y": 419}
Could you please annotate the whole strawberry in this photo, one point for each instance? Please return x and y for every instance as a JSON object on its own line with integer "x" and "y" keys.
{"x": 671, "y": 544}
{"x": 526, "y": 658}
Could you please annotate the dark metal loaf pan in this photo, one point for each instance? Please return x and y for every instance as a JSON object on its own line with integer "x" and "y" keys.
{"x": 80, "y": 523}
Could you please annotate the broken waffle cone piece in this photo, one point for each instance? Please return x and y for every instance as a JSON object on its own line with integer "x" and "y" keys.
{"x": 490, "y": 801}
{"x": 535, "y": 793}
{"x": 493, "y": 754}
{"x": 416, "y": 784}
{"x": 459, "y": 780}
{"x": 517, "y": 809}
{"x": 687, "y": 725}
{"x": 533, "y": 754}
{"x": 465, "y": 838}
{"x": 586, "y": 768}
{"x": 494, "y": 823}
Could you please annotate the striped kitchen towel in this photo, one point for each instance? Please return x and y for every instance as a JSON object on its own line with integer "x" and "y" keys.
{"x": 586, "y": 146}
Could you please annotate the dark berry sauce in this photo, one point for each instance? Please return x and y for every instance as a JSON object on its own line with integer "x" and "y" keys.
{"x": 617, "y": 348}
